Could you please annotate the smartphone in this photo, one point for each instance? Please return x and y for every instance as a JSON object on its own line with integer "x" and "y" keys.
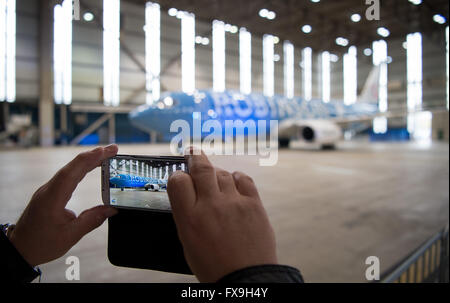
{"x": 139, "y": 182}
{"x": 143, "y": 234}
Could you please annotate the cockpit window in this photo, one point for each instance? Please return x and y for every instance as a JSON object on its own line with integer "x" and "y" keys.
{"x": 167, "y": 102}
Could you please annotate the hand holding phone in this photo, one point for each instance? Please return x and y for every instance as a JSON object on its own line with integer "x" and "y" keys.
{"x": 46, "y": 230}
{"x": 220, "y": 220}
{"x": 143, "y": 234}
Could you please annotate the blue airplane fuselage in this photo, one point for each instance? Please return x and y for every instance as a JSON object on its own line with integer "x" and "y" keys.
{"x": 130, "y": 181}
{"x": 232, "y": 105}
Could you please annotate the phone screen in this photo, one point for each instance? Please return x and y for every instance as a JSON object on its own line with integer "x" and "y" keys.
{"x": 141, "y": 182}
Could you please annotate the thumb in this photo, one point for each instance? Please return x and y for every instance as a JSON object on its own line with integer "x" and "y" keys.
{"x": 90, "y": 219}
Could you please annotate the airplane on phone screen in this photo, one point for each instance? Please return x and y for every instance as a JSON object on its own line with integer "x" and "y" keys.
{"x": 123, "y": 181}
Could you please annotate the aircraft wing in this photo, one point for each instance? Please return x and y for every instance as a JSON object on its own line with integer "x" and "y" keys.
{"x": 328, "y": 131}
{"x": 344, "y": 121}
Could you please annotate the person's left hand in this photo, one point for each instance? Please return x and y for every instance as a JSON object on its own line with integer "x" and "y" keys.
{"x": 47, "y": 230}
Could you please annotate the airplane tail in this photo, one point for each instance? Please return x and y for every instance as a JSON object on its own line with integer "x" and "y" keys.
{"x": 370, "y": 91}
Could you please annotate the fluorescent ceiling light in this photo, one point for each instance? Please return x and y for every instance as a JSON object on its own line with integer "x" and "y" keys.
{"x": 356, "y": 17}
{"x": 271, "y": 15}
{"x": 306, "y": 28}
{"x": 438, "y": 18}
{"x": 342, "y": 41}
{"x": 172, "y": 12}
{"x": 383, "y": 32}
{"x": 263, "y": 13}
{"x": 88, "y": 16}
{"x": 415, "y": 2}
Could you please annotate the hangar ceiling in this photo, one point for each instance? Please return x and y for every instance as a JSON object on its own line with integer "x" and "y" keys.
{"x": 329, "y": 18}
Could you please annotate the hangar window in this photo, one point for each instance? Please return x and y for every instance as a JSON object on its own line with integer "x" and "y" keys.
{"x": 218, "y": 36}
{"x": 414, "y": 87}
{"x": 62, "y": 52}
{"x": 380, "y": 59}
{"x": 446, "y": 56}
{"x": 325, "y": 58}
{"x": 268, "y": 65}
{"x": 7, "y": 50}
{"x": 350, "y": 76}
{"x": 307, "y": 73}
{"x": 245, "y": 60}
{"x": 288, "y": 69}
{"x": 188, "y": 52}
{"x": 111, "y": 52}
{"x": 152, "y": 51}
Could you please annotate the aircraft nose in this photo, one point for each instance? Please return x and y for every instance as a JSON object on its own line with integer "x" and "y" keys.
{"x": 146, "y": 117}
{"x": 114, "y": 180}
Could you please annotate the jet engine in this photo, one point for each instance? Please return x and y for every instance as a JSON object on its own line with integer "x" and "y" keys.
{"x": 320, "y": 132}
{"x": 154, "y": 187}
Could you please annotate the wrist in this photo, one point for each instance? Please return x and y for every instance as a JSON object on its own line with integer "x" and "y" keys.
{"x": 12, "y": 237}
{"x": 7, "y": 229}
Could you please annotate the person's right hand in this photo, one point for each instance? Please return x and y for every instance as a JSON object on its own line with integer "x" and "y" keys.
{"x": 220, "y": 219}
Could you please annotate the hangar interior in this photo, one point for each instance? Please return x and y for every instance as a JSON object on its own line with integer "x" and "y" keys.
{"x": 370, "y": 196}
{"x": 328, "y": 20}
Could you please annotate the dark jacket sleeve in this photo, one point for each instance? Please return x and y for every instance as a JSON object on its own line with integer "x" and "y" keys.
{"x": 13, "y": 267}
{"x": 264, "y": 274}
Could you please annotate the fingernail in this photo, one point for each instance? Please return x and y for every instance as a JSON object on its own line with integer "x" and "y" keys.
{"x": 111, "y": 148}
{"x": 188, "y": 150}
{"x": 110, "y": 211}
{"x": 192, "y": 150}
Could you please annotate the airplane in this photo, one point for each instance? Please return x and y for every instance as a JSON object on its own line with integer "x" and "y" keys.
{"x": 130, "y": 181}
{"x": 311, "y": 121}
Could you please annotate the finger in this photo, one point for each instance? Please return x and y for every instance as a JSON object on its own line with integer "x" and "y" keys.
{"x": 89, "y": 220}
{"x": 245, "y": 184}
{"x": 181, "y": 192}
{"x": 62, "y": 185}
{"x": 203, "y": 174}
{"x": 225, "y": 181}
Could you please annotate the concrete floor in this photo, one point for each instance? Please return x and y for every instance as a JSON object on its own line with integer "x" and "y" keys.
{"x": 330, "y": 209}
{"x": 140, "y": 198}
